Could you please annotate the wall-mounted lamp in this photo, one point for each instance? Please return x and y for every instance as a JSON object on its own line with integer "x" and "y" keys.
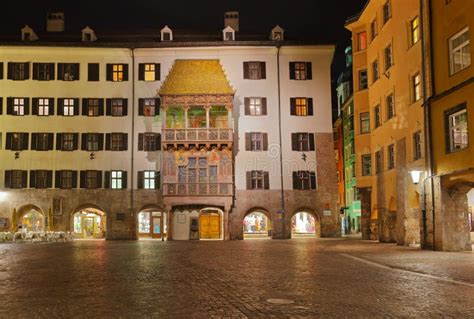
{"x": 415, "y": 176}
{"x": 92, "y": 156}
{"x": 3, "y": 196}
{"x": 17, "y": 155}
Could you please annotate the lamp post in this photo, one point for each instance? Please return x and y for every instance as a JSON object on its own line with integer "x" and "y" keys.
{"x": 416, "y": 177}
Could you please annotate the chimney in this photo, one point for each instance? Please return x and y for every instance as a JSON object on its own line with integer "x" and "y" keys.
{"x": 231, "y": 19}
{"x": 55, "y": 22}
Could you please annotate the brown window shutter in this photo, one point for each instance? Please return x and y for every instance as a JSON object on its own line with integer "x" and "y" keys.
{"x": 74, "y": 179}
{"x": 246, "y": 70}
{"x": 24, "y": 141}
{"x": 59, "y": 141}
{"x": 85, "y": 106}
{"x": 24, "y": 179}
{"x": 292, "y": 71}
{"x": 32, "y": 179}
{"x": 51, "y": 106}
{"x": 27, "y": 105}
{"x": 266, "y": 180}
{"x": 124, "y": 141}
{"x": 27, "y": 70}
{"x": 295, "y": 180}
{"x": 263, "y": 70}
{"x": 140, "y": 141}
{"x": 57, "y": 179}
{"x": 51, "y": 71}
{"x": 294, "y": 141}
{"x": 7, "y": 179}
{"x": 109, "y": 76}
{"x": 60, "y": 71}
{"x": 125, "y": 107}
{"x": 248, "y": 176}
{"x": 141, "y": 106}
{"x": 265, "y": 141}
{"x": 50, "y": 141}
{"x": 101, "y": 107}
{"x": 124, "y": 180}
{"x": 99, "y": 179}
{"x": 76, "y": 106}
{"x": 101, "y": 142}
{"x": 9, "y": 141}
{"x": 34, "y": 106}
{"x": 75, "y": 141}
{"x": 108, "y": 142}
{"x": 83, "y": 179}
{"x": 311, "y": 141}
{"x": 49, "y": 179}
{"x": 141, "y": 72}
{"x": 157, "y": 72}
{"x": 248, "y": 141}
{"x": 60, "y": 106}
{"x": 76, "y": 71}
{"x": 157, "y": 106}
{"x": 125, "y": 72}
{"x": 292, "y": 106}
{"x": 309, "y": 71}
{"x": 264, "y": 106}
{"x": 1, "y": 105}
{"x": 140, "y": 179}
{"x": 35, "y": 71}
{"x": 34, "y": 141}
{"x": 157, "y": 142}
{"x": 310, "y": 106}
{"x": 84, "y": 139}
{"x": 312, "y": 178}
{"x": 9, "y": 105}
{"x": 1, "y": 70}
{"x": 247, "y": 106}
{"x": 108, "y": 111}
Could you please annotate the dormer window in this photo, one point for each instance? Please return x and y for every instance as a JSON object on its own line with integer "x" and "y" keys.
{"x": 27, "y": 34}
{"x": 166, "y": 34}
{"x": 88, "y": 35}
{"x": 228, "y": 34}
{"x": 277, "y": 34}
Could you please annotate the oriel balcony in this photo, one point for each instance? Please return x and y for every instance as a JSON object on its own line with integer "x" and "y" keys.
{"x": 197, "y": 189}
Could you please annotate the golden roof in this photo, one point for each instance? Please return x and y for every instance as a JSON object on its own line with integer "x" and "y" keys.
{"x": 196, "y": 77}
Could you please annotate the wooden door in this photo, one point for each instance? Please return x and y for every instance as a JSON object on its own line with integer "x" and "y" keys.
{"x": 209, "y": 226}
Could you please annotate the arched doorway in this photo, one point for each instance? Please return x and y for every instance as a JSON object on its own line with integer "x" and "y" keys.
{"x": 305, "y": 224}
{"x": 196, "y": 223}
{"x": 210, "y": 223}
{"x": 256, "y": 224}
{"x": 152, "y": 223}
{"x": 32, "y": 220}
{"x": 89, "y": 223}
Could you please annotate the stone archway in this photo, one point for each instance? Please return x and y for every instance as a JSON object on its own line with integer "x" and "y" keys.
{"x": 30, "y": 218}
{"x": 88, "y": 221}
{"x": 152, "y": 222}
{"x": 257, "y": 223}
{"x": 305, "y": 222}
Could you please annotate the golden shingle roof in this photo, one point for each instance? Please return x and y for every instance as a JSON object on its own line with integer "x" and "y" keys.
{"x": 196, "y": 77}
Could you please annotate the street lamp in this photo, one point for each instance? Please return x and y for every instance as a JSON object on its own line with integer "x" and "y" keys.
{"x": 3, "y": 196}
{"x": 415, "y": 176}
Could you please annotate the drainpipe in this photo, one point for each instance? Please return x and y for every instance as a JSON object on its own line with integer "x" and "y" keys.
{"x": 279, "y": 131}
{"x": 132, "y": 140}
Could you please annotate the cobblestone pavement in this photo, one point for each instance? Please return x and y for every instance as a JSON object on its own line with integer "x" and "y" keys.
{"x": 251, "y": 278}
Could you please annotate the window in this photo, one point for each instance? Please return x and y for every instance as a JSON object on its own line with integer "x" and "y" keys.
{"x": 43, "y": 107}
{"x": 68, "y": 71}
{"x": 43, "y": 71}
{"x": 378, "y": 162}
{"x": 92, "y": 107}
{"x": 304, "y": 180}
{"x": 93, "y": 72}
{"x": 363, "y": 82}
{"x": 388, "y": 55}
{"x": 458, "y": 129}
{"x": 92, "y": 142}
{"x": 41, "y": 179}
{"x": 117, "y": 72}
{"x": 117, "y": 107}
{"x": 18, "y": 71}
{"x": 68, "y": 107}
{"x": 18, "y": 106}
{"x": 377, "y": 117}
{"x": 375, "y": 71}
{"x": 391, "y": 156}
{"x": 390, "y": 106}
{"x": 255, "y": 106}
{"x": 42, "y": 141}
{"x": 229, "y": 36}
{"x": 373, "y": 29}
{"x": 16, "y": 179}
{"x": 116, "y": 142}
{"x": 361, "y": 41}
{"x": 149, "y": 72}
{"x": 166, "y": 36}
{"x": 149, "y": 107}
{"x": 67, "y": 142}
{"x": 257, "y": 180}
{"x": 91, "y": 179}
{"x": 417, "y": 145}
{"x": 149, "y": 142}
{"x": 256, "y": 141}
{"x": 414, "y": 31}
{"x": 301, "y": 106}
{"x": 459, "y": 51}
{"x": 17, "y": 141}
{"x": 66, "y": 179}
{"x": 301, "y": 71}
{"x": 366, "y": 165}
{"x": 116, "y": 180}
{"x": 386, "y": 11}
{"x": 254, "y": 70}
{"x": 149, "y": 181}
{"x": 416, "y": 87}
{"x": 364, "y": 122}
{"x": 302, "y": 142}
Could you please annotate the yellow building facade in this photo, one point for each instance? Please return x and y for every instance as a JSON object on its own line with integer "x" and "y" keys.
{"x": 388, "y": 96}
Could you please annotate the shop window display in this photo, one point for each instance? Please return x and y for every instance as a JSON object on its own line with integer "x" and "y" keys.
{"x": 256, "y": 223}
{"x": 33, "y": 221}
{"x": 89, "y": 225}
{"x": 303, "y": 223}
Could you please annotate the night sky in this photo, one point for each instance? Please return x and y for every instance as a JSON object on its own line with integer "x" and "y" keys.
{"x": 318, "y": 20}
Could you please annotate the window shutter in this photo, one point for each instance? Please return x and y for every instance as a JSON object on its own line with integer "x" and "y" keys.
{"x": 140, "y": 141}
{"x": 292, "y": 106}
{"x": 158, "y": 179}
{"x": 24, "y": 179}
{"x": 263, "y": 70}
{"x": 50, "y": 141}
{"x": 77, "y": 72}
{"x": 1, "y": 105}
{"x": 93, "y": 72}
{"x": 10, "y": 71}
{"x": 101, "y": 142}
{"x": 76, "y": 106}
{"x": 125, "y": 72}
{"x": 108, "y": 111}
{"x": 61, "y": 71}
{"x": 109, "y": 72}
{"x": 107, "y": 179}
{"x": 75, "y": 141}
{"x": 266, "y": 180}
{"x": 246, "y": 70}
{"x": 24, "y": 141}
{"x": 99, "y": 179}
{"x": 141, "y": 106}
{"x": 8, "y": 144}
{"x": 294, "y": 141}
{"x": 248, "y": 141}
{"x": 9, "y": 105}
{"x": 49, "y": 179}
{"x": 124, "y": 180}
{"x": 32, "y": 179}
{"x": 312, "y": 178}
{"x": 292, "y": 70}
{"x": 34, "y": 141}
{"x": 310, "y": 106}
{"x": 247, "y": 106}
{"x": 108, "y": 141}
{"x": 60, "y": 106}
{"x": 157, "y": 141}
{"x": 84, "y": 142}
{"x": 248, "y": 176}
{"x": 125, "y": 107}
{"x": 57, "y": 179}
{"x": 1, "y": 70}
{"x": 74, "y": 179}
{"x": 295, "y": 180}
{"x": 83, "y": 179}
{"x": 59, "y": 141}
{"x": 141, "y": 72}
{"x": 265, "y": 141}
{"x": 124, "y": 141}
{"x": 34, "y": 106}
{"x": 35, "y": 71}
{"x": 264, "y": 106}
{"x": 7, "y": 179}
{"x": 27, "y": 70}
{"x": 311, "y": 141}
{"x": 51, "y": 106}
{"x": 309, "y": 71}
{"x": 101, "y": 107}
{"x": 140, "y": 179}
{"x": 51, "y": 71}
{"x": 157, "y": 105}
{"x": 157, "y": 72}
{"x": 85, "y": 106}
{"x": 27, "y": 106}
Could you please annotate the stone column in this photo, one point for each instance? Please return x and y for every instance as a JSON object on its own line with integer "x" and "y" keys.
{"x": 169, "y": 216}
{"x": 226, "y": 225}
{"x": 366, "y": 212}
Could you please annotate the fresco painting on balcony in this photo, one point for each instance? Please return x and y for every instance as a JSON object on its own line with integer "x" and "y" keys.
{"x": 175, "y": 117}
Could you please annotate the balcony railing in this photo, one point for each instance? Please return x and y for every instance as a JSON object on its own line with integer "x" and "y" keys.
{"x": 197, "y": 189}
{"x": 197, "y": 135}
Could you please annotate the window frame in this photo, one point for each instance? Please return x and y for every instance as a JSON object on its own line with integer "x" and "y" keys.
{"x": 364, "y": 120}
{"x": 361, "y": 82}
{"x": 449, "y": 114}
{"x": 390, "y": 156}
{"x": 417, "y": 145}
{"x": 459, "y": 48}
{"x": 361, "y": 40}
{"x": 366, "y": 165}
{"x": 416, "y": 87}
{"x": 390, "y": 106}
{"x": 116, "y": 179}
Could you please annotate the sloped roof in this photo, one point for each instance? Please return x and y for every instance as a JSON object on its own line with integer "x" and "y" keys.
{"x": 196, "y": 77}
